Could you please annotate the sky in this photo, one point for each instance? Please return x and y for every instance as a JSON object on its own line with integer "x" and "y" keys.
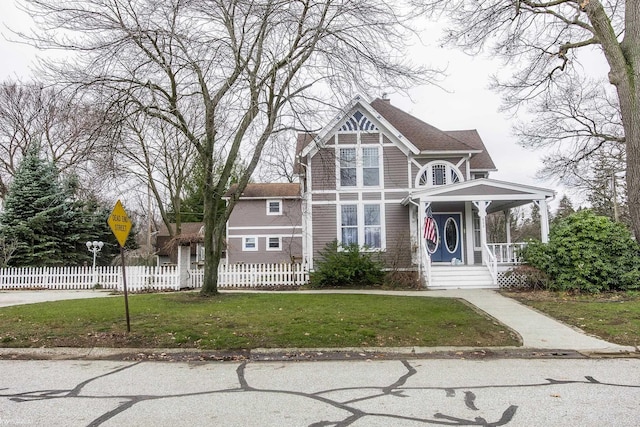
{"x": 464, "y": 102}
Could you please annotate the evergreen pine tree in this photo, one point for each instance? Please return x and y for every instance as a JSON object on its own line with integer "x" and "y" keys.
{"x": 42, "y": 217}
{"x": 565, "y": 208}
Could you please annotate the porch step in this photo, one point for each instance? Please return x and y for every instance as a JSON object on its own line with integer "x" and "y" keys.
{"x": 461, "y": 277}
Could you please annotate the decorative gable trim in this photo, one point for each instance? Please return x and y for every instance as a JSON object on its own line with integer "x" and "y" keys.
{"x": 376, "y": 119}
{"x": 358, "y": 122}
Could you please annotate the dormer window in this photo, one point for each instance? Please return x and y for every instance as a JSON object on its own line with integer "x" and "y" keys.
{"x": 438, "y": 173}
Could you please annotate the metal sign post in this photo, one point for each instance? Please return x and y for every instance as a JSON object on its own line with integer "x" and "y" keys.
{"x": 121, "y": 226}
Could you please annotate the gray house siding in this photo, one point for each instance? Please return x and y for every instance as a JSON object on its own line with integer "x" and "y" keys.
{"x": 250, "y": 220}
{"x": 398, "y": 250}
{"x": 395, "y": 168}
{"x": 291, "y": 247}
{"x": 323, "y": 170}
{"x": 347, "y": 138}
{"x": 324, "y": 226}
{"x": 370, "y": 138}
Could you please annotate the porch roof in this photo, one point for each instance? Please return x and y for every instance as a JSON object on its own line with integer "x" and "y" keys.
{"x": 503, "y": 195}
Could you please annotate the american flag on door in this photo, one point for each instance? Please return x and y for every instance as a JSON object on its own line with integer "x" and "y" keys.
{"x": 430, "y": 231}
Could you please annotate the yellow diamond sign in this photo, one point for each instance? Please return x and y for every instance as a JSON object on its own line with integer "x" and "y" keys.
{"x": 119, "y": 223}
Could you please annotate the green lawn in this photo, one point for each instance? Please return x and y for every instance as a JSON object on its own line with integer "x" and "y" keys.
{"x": 612, "y": 317}
{"x": 245, "y": 321}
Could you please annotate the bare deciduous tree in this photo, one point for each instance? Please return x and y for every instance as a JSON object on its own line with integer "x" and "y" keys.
{"x": 68, "y": 130}
{"x": 157, "y": 156}
{"x": 226, "y": 74}
{"x": 541, "y": 40}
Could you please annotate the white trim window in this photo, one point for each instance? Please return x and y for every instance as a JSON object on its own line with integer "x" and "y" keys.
{"x": 372, "y": 227}
{"x": 361, "y": 224}
{"x": 370, "y": 167}
{"x": 359, "y": 167}
{"x": 274, "y": 207}
{"x": 348, "y": 170}
{"x": 250, "y": 243}
{"x": 274, "y": 243}
{"x": 438, "y": 173}
{"x": 349, "y": 225}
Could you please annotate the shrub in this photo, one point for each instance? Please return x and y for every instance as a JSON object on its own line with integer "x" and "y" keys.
{"x": 346, "y": 266}
{"x": 587, "y": 253}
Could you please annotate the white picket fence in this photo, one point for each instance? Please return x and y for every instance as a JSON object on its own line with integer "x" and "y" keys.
{"x": 157, "y": 278}
{"x": 256, "y": 275}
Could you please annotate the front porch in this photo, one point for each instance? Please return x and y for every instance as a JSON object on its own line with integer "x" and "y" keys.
{"x": 450, "y": 232}
{"x": 461, "y": 276}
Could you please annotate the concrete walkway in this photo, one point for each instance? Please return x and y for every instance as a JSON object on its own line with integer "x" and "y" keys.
{"x": 536, "y": 330}
{"x": 8, "y": 298}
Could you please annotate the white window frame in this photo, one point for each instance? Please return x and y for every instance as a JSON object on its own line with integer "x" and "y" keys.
{"x": 366, "y": 226}
{"x": 246, "y": 248}
{"x": 341, "y": 226}
{"x": 376, "y": 167}
{"x": 359, "y": 166}
{"x": 269, "y": 248}
{"x": 360, "y": 224}
{"x": 428, "y": 170}
{"x": 342, "y": 165}
{"x": 279, "y": 202}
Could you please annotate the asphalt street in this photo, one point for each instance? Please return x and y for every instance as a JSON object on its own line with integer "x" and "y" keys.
{"x": 412, "y": 392}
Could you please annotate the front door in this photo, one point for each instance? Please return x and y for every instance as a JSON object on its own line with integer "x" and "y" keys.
{"x": 449, "y": 237}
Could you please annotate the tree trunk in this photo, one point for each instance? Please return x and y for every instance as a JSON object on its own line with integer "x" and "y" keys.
{"x": 624, "y": 62}
{"x": 630, "y": 106}
{"x": 212, "y": 246}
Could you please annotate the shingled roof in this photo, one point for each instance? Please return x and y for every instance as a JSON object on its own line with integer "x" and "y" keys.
{"x": 424, "y": 136}
{"x": 481, "y": 161}
{"x": 266, "y": 190}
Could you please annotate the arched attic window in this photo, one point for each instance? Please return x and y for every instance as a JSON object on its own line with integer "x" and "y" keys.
{"x": 438, "y": 173}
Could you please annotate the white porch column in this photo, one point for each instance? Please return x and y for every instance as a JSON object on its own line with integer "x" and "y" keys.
{"x": 468, "y": 219}
{"x": 507, "y": 221}
{"x": 544, "y": 220}
{"x": 482, "y": 213}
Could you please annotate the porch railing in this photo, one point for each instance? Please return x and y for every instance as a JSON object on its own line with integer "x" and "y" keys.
{"x": 507, "y": 253}
{"x": 491, "y": 261}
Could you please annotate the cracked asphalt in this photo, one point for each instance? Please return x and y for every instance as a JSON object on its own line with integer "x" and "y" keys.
{"x": 366, "y": 392}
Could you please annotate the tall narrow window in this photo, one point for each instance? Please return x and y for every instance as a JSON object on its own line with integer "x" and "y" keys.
{"x": 372, "y": 226}
{"x": 476, "y": 230}
{"x": 349, "y": 224}
{"x": 348, "y": 167}
{"x": 439, "y": 174}
{"x": 370, "y": 167}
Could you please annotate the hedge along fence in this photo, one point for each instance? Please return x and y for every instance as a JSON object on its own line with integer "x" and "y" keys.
{"x": 155, "y": 278}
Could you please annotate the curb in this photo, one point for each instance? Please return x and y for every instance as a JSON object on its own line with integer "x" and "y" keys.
{"x": 299, "y": 354}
